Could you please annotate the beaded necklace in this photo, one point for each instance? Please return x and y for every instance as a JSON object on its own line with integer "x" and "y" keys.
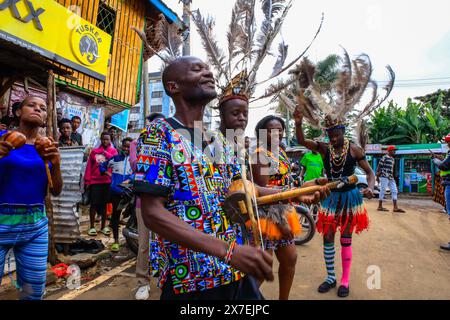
{"x": 338, "y": 160}
{"x": 281, "y": 177}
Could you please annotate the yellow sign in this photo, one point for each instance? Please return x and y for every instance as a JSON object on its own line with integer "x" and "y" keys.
{"x": 55, "y": 32}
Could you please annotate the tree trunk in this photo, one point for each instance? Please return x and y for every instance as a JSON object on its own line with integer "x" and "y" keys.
{"x": 146, "y": 90}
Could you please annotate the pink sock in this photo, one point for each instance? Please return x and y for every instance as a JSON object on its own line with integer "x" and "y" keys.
{"x": 346, "y": 256}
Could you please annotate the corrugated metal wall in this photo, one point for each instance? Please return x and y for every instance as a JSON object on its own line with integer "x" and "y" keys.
{"x": 66, "y": 217}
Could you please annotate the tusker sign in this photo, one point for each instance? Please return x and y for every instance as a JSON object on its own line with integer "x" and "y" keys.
{"x": 55, "y": 32}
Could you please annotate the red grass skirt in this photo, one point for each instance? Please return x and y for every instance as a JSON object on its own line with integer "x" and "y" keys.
{"x": 343, "y": 211}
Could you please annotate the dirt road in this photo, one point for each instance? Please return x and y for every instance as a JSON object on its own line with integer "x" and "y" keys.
{"x": 403, "y": 247}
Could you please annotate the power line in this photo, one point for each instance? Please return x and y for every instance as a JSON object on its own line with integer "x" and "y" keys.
{"x": 416, "y": 84}
{"x": 425, "y": 84}
{"x": 422, "y": 86}
{"x": 422, "y": 79}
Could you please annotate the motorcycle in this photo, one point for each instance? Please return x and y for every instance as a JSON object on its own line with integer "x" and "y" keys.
{"x": 308, "y": 225}
{"x": 127, "y": 208}
{"x": 307, "y": 215}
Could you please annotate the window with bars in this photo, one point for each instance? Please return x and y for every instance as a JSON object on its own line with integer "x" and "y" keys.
{"x": 106, "y": 19}
{"x": 157, "y": 108}
{"x": 157, "y": 94}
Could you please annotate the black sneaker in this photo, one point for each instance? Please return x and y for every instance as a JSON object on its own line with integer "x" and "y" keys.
{"x": 446, "y": 247}
{"x": 326, "y": 286}
{"x": 343, "y": 291}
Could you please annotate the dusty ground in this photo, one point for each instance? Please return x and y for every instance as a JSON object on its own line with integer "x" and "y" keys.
{"x": 405, "y": 247}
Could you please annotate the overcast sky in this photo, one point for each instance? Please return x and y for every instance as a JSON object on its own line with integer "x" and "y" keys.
{"x": 411, "y": 36}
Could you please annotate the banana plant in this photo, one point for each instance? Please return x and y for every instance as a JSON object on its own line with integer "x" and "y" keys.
{"x": 439, "y": 125}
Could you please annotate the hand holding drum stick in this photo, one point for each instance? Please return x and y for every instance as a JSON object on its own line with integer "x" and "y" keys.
{"x": 10, "y": 141}
{"x": 48, "y": 150}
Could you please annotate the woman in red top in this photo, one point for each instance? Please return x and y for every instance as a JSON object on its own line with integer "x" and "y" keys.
{"x": 99, "y": 184}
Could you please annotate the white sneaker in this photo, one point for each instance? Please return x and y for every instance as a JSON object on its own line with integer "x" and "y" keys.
{"x": 143, "y": 293}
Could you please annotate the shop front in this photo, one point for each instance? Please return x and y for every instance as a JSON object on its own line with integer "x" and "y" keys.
{"x": 40, "y": 48}
{"x": 84, "y": 59}
{"x": 414, "y": 170}
{"x": 90, "y": 49}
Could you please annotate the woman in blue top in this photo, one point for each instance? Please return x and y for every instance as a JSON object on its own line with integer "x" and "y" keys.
{"x": 23, "y": 187}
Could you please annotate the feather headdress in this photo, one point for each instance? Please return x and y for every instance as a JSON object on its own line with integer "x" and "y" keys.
{"x": 248, "y": 46}
{"x": 339, "y": 105}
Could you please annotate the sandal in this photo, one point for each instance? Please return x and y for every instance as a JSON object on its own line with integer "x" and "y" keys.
{"x": 399, "y": 210}
{"x": 106, "y": 231}
{"x": 115, "y": 247}
{"x": 92, "y": 232}
{"x": 382, "y": 209}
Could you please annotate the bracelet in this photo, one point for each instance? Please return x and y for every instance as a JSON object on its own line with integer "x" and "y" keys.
{"x": 230, "y": 250}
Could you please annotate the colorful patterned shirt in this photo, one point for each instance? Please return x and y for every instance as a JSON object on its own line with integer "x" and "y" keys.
{"x": 386, "y": 167}
{"x": 169, "y": 165}
{"x": 279, "y": 174}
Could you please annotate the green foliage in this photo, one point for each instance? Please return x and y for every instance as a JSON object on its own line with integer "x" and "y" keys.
{"x": 432, "y": 98}
{"x": 326, "y": 74}
{"x": 311, "y": 132}
{"x": 416, "y": 123}
{"x": 438, "y": 124}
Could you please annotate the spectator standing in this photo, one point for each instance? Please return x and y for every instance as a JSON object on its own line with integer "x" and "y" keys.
{"x": 121, "y": 172}
{"x": 444, "y": 167}
{"x": 385, "y": 176}
{"x": 76, "y": 136}
{"x": 99, "y": 184}
{"x": 65, "y": 138}
{"x": 312, "y": 166}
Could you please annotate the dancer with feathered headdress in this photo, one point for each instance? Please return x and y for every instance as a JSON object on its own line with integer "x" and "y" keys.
{"x": 236, "y": 70}
{"x": 183, "y": 190}
{"x": 344, "y": 210}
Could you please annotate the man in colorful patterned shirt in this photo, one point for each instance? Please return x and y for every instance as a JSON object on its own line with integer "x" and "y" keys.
{"x": 385, "y": 176}
{"x": 182, "y": 193}
{"x": 183, "y": 190}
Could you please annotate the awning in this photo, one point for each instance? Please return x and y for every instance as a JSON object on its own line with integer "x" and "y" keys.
{"x": 170, "y": 15}
{"x": 408, "y": 148}
{"x": 20, "y": 62}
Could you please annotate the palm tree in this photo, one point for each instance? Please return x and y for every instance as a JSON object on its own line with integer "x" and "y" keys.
{"x": 326, "y": 73}
{"x": 438, "y": 125}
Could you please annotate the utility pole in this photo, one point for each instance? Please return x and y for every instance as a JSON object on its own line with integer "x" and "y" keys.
{"x": 146, "y": 98}
{"x": 288, "y": 128}
{"x": 187, "y": 24}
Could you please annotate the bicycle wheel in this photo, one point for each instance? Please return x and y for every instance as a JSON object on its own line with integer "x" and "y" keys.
{"x": 308, "y": 226}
